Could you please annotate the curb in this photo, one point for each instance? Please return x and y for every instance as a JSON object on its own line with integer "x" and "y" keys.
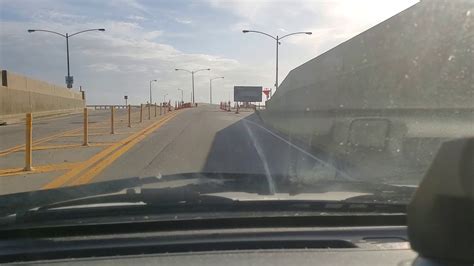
{"x": 20, "y": 118}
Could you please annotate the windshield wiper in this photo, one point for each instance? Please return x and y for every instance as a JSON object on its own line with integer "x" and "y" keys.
{"x": 191, "y": 187}
{"x": 196, "y": 189}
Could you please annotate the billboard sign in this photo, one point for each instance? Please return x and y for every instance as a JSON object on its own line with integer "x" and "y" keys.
{"x": 247, "y": 93}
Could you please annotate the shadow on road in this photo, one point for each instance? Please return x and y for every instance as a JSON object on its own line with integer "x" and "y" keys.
{"x": 247, "y": 146}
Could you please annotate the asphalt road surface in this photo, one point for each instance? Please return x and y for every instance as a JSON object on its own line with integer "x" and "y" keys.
{"x": 206, "y": 139}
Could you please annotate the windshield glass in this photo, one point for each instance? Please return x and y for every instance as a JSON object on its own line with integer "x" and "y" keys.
{"x": 242, "y": 100}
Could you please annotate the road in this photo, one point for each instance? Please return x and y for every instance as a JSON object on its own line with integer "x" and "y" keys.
{"x": 202, "y": 139}
{"x": 206, "y": 139}
{"x": 193, "y": 140}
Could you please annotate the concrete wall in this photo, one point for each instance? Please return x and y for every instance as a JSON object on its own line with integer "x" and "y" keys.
{"x": 23, "y": 94}
{"x": 420, "y": 58}
{"x": 393, "y": 88}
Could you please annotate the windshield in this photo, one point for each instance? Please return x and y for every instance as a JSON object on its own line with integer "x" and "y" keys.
{"x": 336, "y": 101}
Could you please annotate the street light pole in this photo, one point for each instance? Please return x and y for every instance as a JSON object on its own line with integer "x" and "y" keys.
{"x": 182, "y": 94}
{"x": 69, "y": 79}
{"x": 67, "y": 52}
{"x": 276, "y": 70}
{"x": 210, "y": 87}
{"x": 192, "y": 77}
{"x": 151, "y": 99}
{"x": 277, "y": 39}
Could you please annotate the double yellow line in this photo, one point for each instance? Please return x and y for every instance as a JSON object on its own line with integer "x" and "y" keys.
{"x": 87, "y": 170}
{"x": 42, "y": 140}
{"x": 38, "y": 169}
{"x": 72, "y": 132}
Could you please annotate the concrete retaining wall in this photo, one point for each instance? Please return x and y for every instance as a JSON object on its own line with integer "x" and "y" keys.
{"x": 396, "y": 89}
{"x": 420, "y": 58}
{"x": 23, "y": 94}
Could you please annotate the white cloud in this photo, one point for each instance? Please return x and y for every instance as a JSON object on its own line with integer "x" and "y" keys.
{"x": 104, "y": 67}
{"x": 152, "y": 34}
{"x": 130, "y": 52}
{"x": 120, "y": 59}
{"x": 183, "y": 21}
{"x": 136, "y": 18}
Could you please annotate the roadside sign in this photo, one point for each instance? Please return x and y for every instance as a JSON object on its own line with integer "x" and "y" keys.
{"x": 267, "y": 92}
{"x": 248, "y": 93}
{"x": 69, "y": 81}
{"x": 125, "y": 97}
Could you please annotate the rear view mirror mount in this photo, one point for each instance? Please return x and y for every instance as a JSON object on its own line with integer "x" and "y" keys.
{"x": 441, "y": 213}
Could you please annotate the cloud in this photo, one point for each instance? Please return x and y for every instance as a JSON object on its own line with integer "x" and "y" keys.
{"x": 136, "y": 18}
{"x": 152, "y": 34}
{"x": 104, "y": 67}
{"x": 133, "y": 4}
{"x": 123, "y": 58}
{"x": 135, "y": 48}
{"x": 183, "y": 21}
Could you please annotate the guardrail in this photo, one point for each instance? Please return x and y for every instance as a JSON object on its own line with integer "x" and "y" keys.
{"x": 227, "y": 106}
{"x": 109, "y": 106}
{"x": 150, "y": 110}
{"x": 163, "y": 109}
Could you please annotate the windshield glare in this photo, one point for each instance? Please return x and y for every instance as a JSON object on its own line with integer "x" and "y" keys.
{"x": 248, "y": 101}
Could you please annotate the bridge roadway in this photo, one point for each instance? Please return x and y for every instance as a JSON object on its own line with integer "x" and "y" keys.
{"x": 202, "y": 139}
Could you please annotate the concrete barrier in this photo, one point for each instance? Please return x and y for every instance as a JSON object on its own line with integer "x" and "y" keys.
{"x": 390, "y": 95}
{"x": 20, "y": 94}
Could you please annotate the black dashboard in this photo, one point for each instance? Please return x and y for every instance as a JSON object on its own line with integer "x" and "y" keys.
{"x": 373, "y": 245}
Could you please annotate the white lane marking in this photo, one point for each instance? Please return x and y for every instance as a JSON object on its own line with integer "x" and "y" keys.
{"x": 300, "y": 149}
{"x": 263, "y": 158}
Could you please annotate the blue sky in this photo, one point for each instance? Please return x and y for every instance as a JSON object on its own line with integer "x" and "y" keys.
{"x": 148, "y": 39}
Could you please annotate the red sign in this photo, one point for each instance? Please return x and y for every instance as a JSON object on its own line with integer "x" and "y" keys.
{"x": 267, "y": 91}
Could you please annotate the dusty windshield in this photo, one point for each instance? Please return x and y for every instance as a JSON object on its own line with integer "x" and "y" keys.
{"x": 249, "y": 100}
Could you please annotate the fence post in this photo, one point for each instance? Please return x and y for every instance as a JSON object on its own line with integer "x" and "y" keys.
{"x": 141, "y": 112}
{"x": 29, "y": 142}
{"x": 86, "y": 128}
{"x": 149, "y": 111}
{"x": 112, "y": 129}
{"x": 155, "y": 109}
{"x": 129, "y": 115}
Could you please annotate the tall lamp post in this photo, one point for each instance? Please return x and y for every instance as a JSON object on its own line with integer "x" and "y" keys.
{"x": 277, "y": 39}
{"x": 192, "y": 76}
{"x": 69, "y": 78}
{"x": 182, "y": 94}
{"x": 151, "y": 99}
{"x": 210, "y": 87}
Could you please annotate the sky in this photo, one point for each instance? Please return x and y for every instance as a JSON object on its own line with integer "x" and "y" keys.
{"x": 147, "y": 39}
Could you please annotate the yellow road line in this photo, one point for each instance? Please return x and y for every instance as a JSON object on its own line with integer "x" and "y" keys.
{"x": 94, "y": 159}
{"x": 96, "y": 134}
{"x": 66, "y": 146}
{"x": 38, "y": 169}
{"x": 45, "y": 139}
{"x": 42, "y": 140}
{"x": 99, "y": 167}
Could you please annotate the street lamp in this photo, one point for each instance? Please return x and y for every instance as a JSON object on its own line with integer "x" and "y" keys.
{"x": 154, "y": 80}
{"x": 182, "y": 100}
{"x": 277, "y": 39}
{"x": 192, "y": 75}
{"x": 210, "y": 87}
{"x": 69, "y": 79}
